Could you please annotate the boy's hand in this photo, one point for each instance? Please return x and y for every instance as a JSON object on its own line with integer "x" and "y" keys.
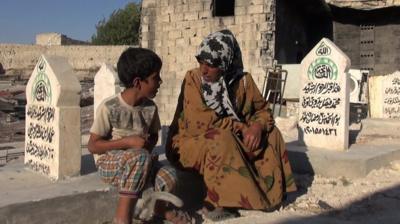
{"x": 135, "y": 141}
{"x": 252, "y": 136}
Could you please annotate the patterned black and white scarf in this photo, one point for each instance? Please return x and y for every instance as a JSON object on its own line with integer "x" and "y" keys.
{"x": 221, "y": 50}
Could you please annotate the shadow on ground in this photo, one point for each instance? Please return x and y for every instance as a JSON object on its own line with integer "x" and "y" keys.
{"x": 87, "y": 164}
{"x": 380, "y": 207}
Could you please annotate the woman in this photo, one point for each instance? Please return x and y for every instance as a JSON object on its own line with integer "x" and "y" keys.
{"x": 224, "y": 130}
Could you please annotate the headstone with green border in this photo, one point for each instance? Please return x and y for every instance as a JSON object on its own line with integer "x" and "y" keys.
{"x": 52, "y": 129}
{"x": 324, "y": 98}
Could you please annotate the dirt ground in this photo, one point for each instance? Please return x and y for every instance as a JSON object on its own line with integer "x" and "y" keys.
{"x": 372, "y": 199}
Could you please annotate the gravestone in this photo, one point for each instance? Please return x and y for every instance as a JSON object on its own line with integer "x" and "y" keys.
{"x": 375, "y": 96}
{"x": 106, "y": 84}
{"x": 52, "y": 128}
{"x": 324, "y": 98}
{"x": 391, "y": 95}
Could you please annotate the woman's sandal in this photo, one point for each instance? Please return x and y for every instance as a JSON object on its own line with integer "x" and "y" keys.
{"x": 220, "y": 214}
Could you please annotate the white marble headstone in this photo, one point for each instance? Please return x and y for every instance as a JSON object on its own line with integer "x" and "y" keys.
{"x": 324, "y": 98}
{"x": 375, "y": 96}
{"x": 52, "y": 128}
{"x": 391, "y": 95}
{"x": 106, "y": 84}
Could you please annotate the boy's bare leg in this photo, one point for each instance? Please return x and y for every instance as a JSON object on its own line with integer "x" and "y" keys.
{"x": 125, "y": 206}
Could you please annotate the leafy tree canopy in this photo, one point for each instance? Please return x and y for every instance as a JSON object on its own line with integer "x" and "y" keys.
{"x": 121, "y": 28}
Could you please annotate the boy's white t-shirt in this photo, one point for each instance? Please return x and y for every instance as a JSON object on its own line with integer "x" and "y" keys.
{"x": 116, "y": 119}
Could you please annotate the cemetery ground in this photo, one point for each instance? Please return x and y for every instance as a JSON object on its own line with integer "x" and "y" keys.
{"x": 374, "y": 198}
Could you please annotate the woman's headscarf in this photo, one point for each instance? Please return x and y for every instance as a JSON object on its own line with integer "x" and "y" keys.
{"x": 221, "y": 50}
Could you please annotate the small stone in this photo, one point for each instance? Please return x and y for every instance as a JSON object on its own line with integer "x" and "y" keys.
{"x": 345, "y": 182}
{"x": 324, "y": 205}
{"x": 395, "y": 165}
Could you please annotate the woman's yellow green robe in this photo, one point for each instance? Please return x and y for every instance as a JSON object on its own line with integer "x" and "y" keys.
{"x": 234, "y": 176}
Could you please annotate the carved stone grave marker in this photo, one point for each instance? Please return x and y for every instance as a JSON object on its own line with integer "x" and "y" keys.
{"x": 106, "y": 84}
{"x": 52, "y": 128}
{"x": 324, "y": 97}
{"x": 391, "y": 95}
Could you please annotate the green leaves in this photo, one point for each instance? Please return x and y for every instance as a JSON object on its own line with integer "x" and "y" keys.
{"x": 269, "y": 182}
{"x": 121, "y": 28}
{"x": 244, "y": 171}
{"x": 289, "y": 180}
{"x": 226, "y": 169}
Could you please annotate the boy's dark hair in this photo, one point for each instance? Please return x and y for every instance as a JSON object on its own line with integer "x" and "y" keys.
{"x": 137, "y": 62}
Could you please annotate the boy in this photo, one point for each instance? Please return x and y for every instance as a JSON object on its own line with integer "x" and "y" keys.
{"x": 126, "y": 130}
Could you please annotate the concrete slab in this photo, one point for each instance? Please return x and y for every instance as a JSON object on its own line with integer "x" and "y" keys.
{"x": 29, "y": 197}
{"x": 22, "y": 185}
{"x": 379, "y": 131}
{"x": 357, "y": 162}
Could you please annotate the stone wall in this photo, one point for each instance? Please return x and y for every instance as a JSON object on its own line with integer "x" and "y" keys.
{"x": 19, "y": 59}
{"x": 56, "y": 39}
{"x": 175, "y": 29}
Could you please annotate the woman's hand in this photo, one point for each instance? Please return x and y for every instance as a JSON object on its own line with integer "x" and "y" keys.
{"x": 252, "y": 136}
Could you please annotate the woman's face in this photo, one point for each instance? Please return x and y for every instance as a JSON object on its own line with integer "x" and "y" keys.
{"x": 209, "y": 73}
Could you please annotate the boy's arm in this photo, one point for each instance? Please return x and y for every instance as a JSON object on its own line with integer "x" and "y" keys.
{"x": 98, "y": 144}
{"x": 153, "y": 130}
